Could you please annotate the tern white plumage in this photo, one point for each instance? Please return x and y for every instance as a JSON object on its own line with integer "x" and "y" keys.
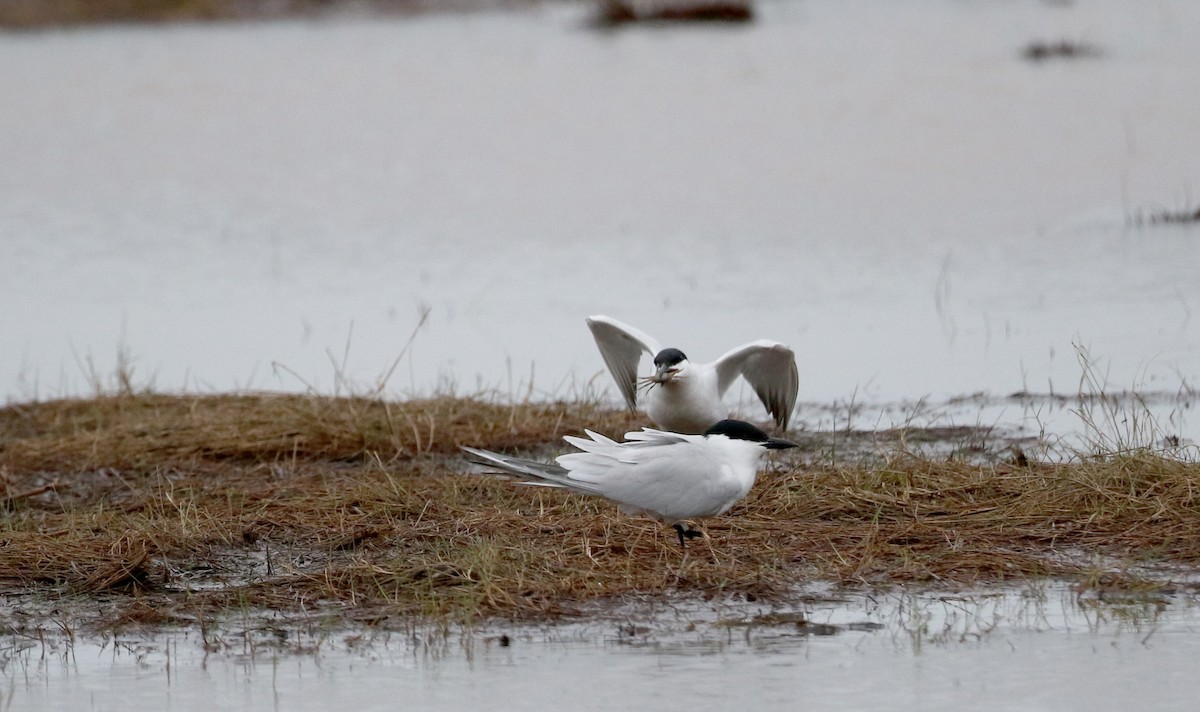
{"x": 671, "y": 477}
{"x": 685, "y": 397}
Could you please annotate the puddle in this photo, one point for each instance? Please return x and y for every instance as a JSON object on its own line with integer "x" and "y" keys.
{"x": 985, "y": 428}
{"x": 1029, "y": 649}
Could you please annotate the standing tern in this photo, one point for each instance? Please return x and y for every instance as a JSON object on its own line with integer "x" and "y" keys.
{"x": 686, "y": 397}
{"x": 671, "y": 477}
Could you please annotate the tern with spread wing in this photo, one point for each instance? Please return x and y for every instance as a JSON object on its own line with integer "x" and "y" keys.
{"x": 670, "y": 477}
{"x": 686, "y": 397}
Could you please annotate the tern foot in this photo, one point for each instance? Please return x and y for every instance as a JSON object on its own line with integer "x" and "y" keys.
{"x": 685, "y": 534}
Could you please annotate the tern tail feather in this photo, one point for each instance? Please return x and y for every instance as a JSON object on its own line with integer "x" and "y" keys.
{"x": 535, "y": 473}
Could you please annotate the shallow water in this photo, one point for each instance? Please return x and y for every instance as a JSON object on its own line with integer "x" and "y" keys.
{"x": 1040, "y": 649}
{"x": 889, "y": 187}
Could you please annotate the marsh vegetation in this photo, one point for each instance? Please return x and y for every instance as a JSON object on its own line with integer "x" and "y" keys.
{"x": 140, "y": 508}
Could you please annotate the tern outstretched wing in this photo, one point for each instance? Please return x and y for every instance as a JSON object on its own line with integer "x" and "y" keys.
{"x": 770, "y": 368}
{"x": 622, "y": 346}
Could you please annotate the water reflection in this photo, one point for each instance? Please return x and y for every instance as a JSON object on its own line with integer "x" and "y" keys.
{"x": 1027, "y": 648}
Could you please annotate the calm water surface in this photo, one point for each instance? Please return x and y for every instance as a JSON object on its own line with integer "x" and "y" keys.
{"x": 1000, "y": 650}
{"x": 889, "y": 187}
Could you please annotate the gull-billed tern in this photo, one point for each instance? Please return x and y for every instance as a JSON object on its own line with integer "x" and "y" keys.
{"x": 671, "y": 477}
{"x": 685, "y": 397}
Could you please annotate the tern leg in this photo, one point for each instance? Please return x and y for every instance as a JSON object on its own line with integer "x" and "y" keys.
{"x": 688, "y": 533}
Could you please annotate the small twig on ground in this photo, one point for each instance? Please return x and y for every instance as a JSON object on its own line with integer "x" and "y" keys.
{"x": 10, "y": 500}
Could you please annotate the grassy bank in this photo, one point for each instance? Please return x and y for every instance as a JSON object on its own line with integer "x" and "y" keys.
{"x": 148, "y": 509}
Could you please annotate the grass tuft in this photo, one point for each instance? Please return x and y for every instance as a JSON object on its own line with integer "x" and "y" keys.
{"x": 614, "y": 13}
{"x": 1166, "y": 216}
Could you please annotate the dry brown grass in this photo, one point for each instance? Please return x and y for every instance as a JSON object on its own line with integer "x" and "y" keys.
{"x": 27, "y": 14}
{"x": 1164, "y": 216}
{"x": 175, "y": 508}
{"x": 37, "y": 13}
{"x": 621, "y": 12}
{"x": 149, "y": 431}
